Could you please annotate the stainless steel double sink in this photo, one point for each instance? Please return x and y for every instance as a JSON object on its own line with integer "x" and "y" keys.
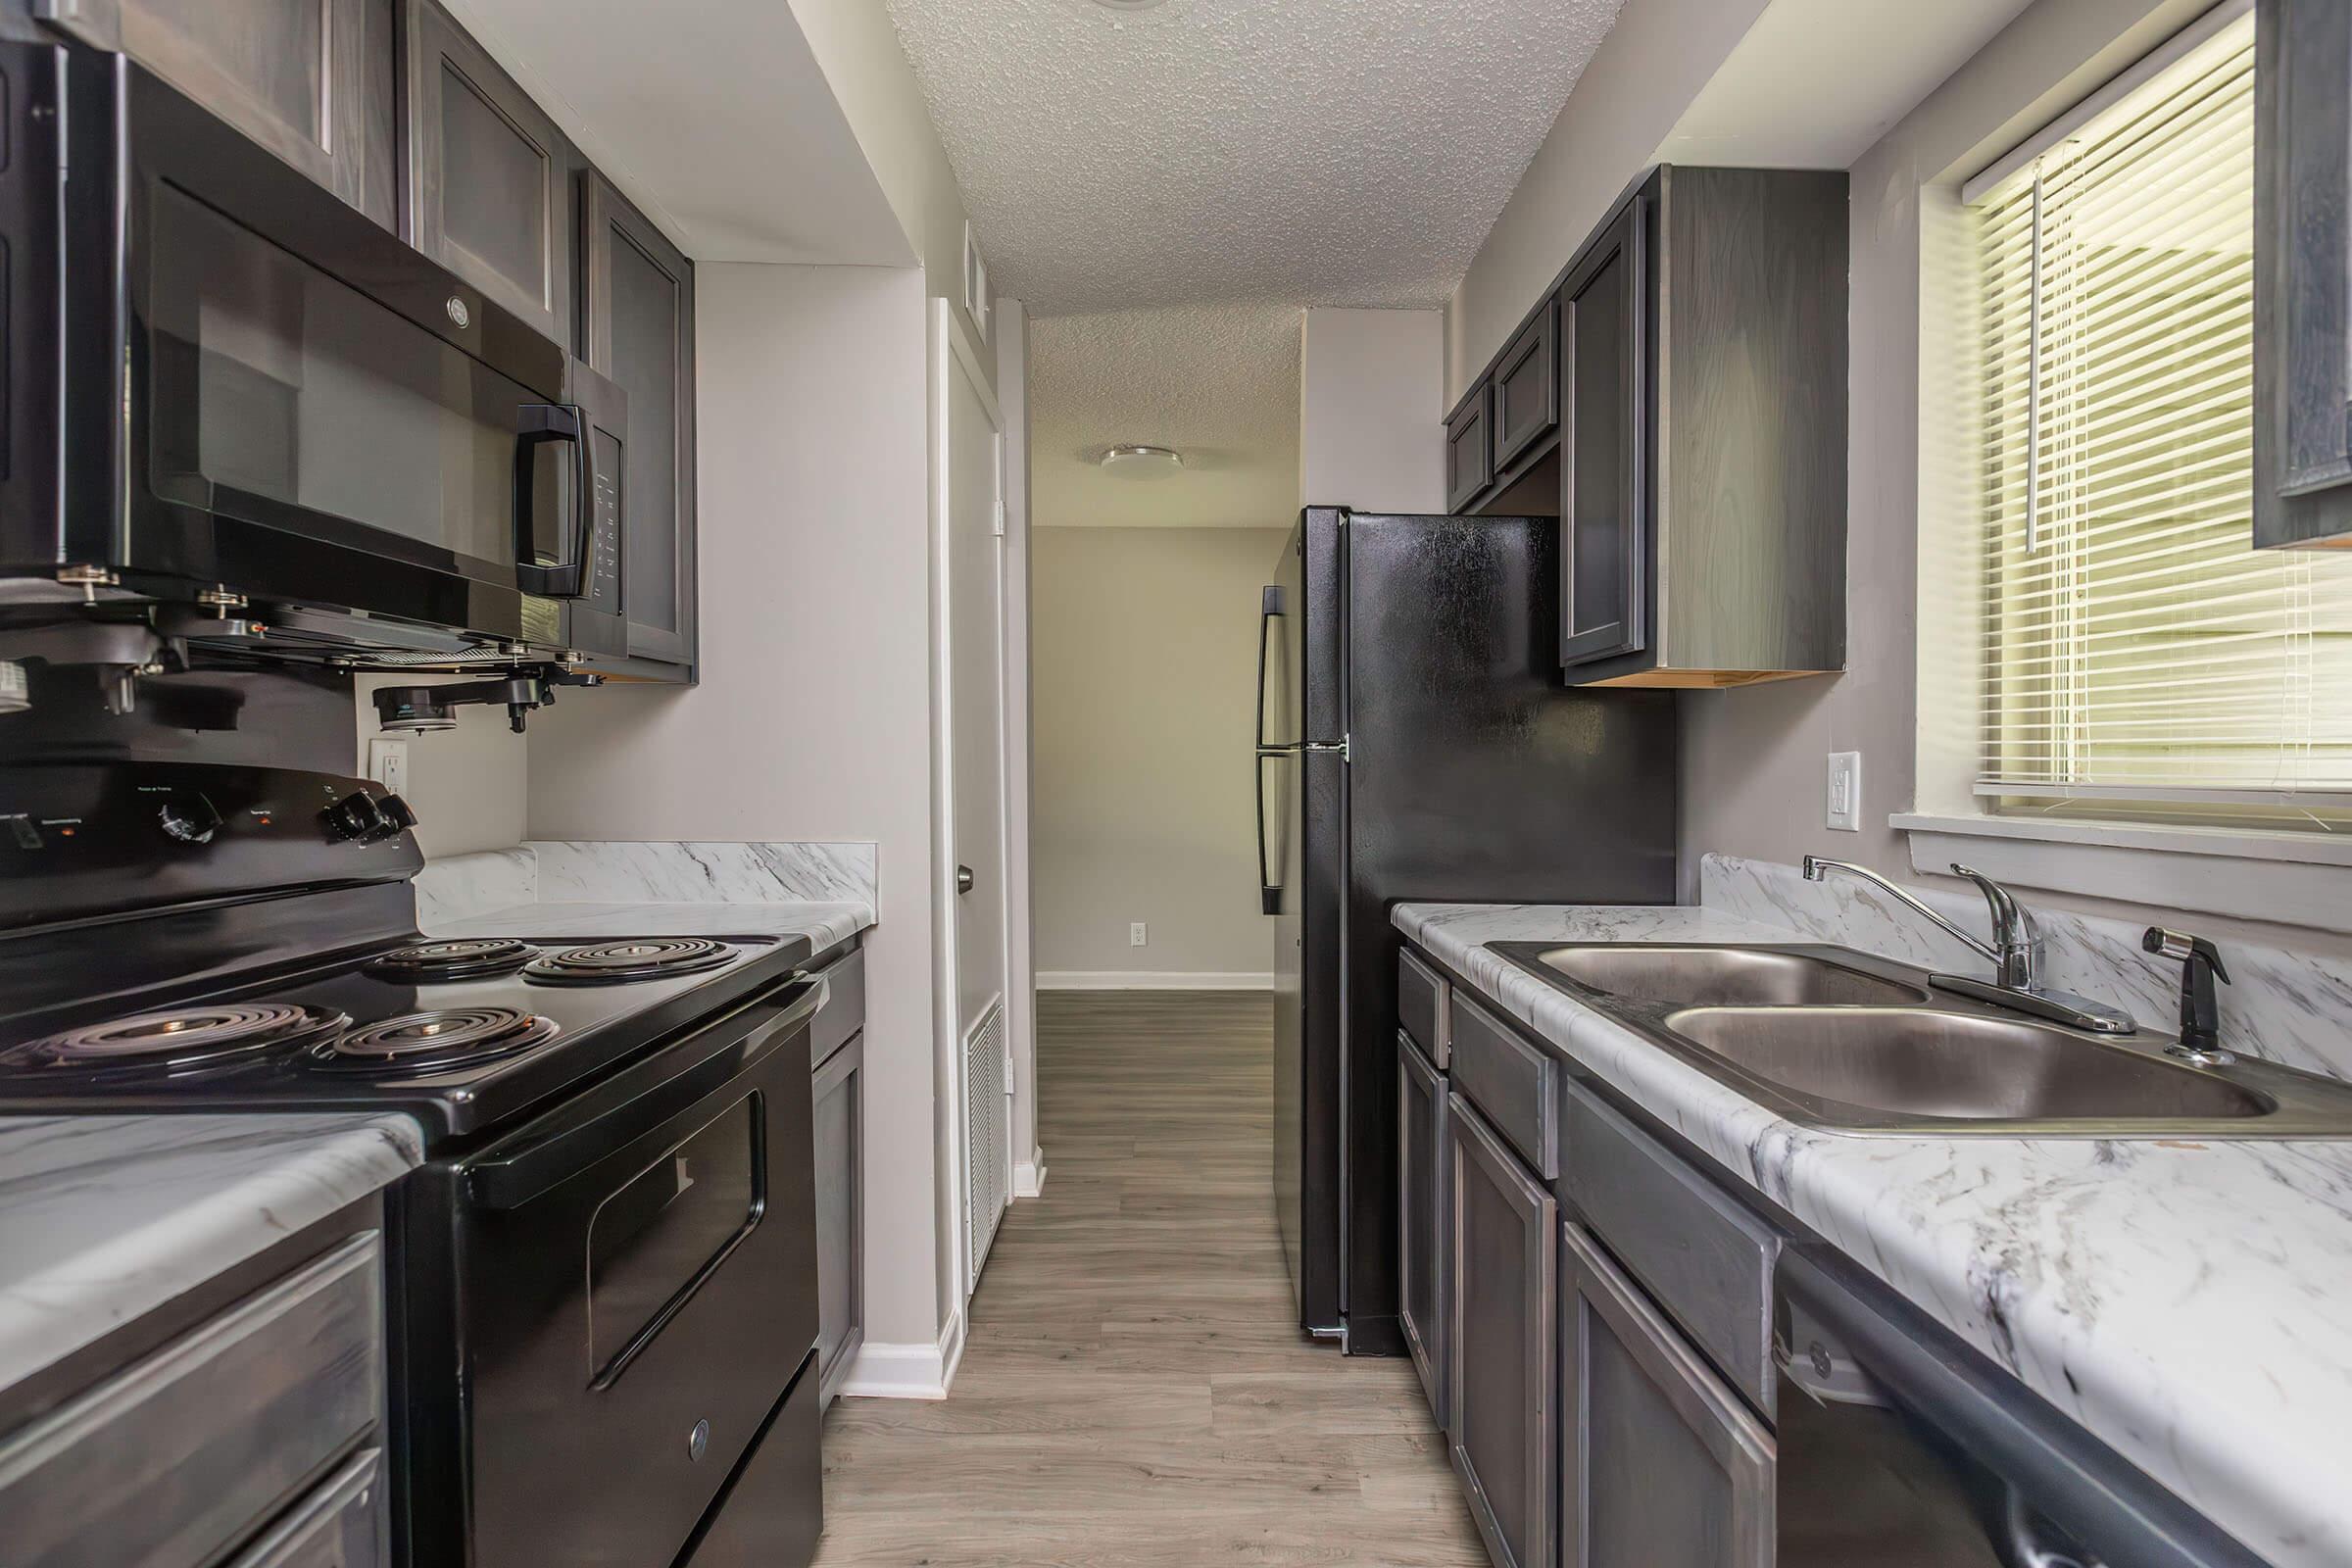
{"x": 1848, "y": 1042}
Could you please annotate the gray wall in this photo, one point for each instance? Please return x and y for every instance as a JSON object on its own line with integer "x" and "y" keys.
{"x": 1144, "y": 662}
{"x": 1754, "y": 758}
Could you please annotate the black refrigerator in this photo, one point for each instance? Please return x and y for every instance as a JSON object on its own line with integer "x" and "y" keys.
{"x": 1415, "y": 743}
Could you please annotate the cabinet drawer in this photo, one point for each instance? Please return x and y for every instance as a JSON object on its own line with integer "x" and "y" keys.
{"x": 1707, "y": 1262}
{"x": 843, "y": 1012}
{"x": 1421, "y": 1007}
{"x": 1513, "y": 1085}
{"x": 179, "y": 1455}
{"x": 341, "y": 1525}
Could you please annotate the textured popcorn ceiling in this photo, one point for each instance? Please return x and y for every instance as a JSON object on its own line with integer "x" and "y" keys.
{"x": 1219, "y": 383}
{"x": 1308, "y": 152}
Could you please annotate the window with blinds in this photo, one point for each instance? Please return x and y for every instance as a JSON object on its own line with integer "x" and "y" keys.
{"x": 2139, "y": 657}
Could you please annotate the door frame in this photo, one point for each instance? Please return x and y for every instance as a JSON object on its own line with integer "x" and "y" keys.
{"x": 952, "y": 352}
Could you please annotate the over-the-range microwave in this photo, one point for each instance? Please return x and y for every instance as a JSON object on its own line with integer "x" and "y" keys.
{"x": 224, "y": 385}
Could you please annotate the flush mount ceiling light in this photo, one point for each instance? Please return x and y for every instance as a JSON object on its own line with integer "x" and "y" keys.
{"x": 1134, "y": 461}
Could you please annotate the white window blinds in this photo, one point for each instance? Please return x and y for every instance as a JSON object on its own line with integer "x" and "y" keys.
{"x": 2135, "y": 647}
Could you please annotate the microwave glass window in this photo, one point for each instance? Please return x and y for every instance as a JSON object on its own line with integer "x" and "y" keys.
{"x": 650, "y": 1241}
{"x": 276, "y": 386}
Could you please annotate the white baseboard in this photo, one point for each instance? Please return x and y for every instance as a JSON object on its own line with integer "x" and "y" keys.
{"x": 1029, "y": 1175}
{"x": 908, "y": 1371}
{"x": 1153, "y": 980}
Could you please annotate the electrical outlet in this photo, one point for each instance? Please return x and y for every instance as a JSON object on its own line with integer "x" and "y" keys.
{"x": 1844, "y": 805}
{"x": 1135, "y": 935}
{"x": 388, "y": 763}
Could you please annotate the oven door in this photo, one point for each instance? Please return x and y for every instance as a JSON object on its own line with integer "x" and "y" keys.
{"x": 637, "y": 1286}
{"x": 268, "y": 392}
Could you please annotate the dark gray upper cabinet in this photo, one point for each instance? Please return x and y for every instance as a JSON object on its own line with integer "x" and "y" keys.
{"x": 1695, "y": 449}
{"x": 1421, "y": 1215}
{"x": 2303, "y": 273}
{"x": 1660, "y": 1464}
{"x": 309, "y": 79}
{"x": 637, "y": 326}
{"x": 489, "y": 175}
{"x": 1526, "y": 388}
{"x": 1470, "y": 447}
{"x": 1501, "y": 1310}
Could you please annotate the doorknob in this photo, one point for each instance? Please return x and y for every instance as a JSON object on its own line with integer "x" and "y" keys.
{"x": 963, "y": 879}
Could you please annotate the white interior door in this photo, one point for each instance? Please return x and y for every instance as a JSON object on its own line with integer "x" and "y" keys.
{"x": 971, "y": 470}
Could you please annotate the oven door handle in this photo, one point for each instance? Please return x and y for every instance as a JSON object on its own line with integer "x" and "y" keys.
{"x": 536, "y": 425}
{"x": 534, "y": 1167}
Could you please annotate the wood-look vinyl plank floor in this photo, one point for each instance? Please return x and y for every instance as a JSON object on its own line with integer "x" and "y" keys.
{"x": 1135, "y": 1392}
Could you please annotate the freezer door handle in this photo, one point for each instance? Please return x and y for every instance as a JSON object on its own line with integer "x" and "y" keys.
{"x": 1269, "y": 606}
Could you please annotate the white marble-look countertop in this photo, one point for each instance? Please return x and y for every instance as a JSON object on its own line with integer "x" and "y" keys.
{"x": 624, "y": 888}
{"x": 105, "y": 1218}
{"x": 823, "y": 922}
{"x": 2187, "y": 1300}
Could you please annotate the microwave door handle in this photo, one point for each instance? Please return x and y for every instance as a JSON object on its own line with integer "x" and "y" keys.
{"x": 536, "y": 425}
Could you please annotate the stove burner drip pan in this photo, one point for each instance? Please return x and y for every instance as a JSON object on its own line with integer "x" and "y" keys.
{"x": 610, "y": 964}
{"x": 460, "y": 959}
{"x": 431, "y": 1041}
{"x": 180, "y": 1040}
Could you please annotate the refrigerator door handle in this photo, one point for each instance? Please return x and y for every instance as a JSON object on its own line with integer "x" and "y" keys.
{"x": 1269, "y": 891}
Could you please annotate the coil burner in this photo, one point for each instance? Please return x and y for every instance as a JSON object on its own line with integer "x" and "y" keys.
{"x": 181, "y": 1040}
{"x": 436, "y": 1042}
{"x": 465, "y": 958}
{"x": 611, "y": 963}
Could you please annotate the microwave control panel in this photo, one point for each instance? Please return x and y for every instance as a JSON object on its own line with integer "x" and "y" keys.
{"x": 604, "y": 532}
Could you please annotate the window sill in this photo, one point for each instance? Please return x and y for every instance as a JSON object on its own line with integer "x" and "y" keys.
{"x": 2284, "y": 878}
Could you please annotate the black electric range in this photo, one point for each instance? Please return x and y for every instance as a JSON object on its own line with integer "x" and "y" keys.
{"x": 602, "y": 1281}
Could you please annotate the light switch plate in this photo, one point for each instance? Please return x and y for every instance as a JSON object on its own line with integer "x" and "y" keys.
{"x": 1842, "y": 803}
{"x": 388, "y": 763}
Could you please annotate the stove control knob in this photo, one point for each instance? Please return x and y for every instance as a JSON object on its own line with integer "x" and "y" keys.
{"x": 189, "y": 818}
{"x": 357, "y": 815}
{"x": 399, "y": 814}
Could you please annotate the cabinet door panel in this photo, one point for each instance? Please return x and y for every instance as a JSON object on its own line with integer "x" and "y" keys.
{"x": 489, "y": 175}
{"x": 2303, "y": 273}
{"x": 1421, "y": 1210}
{"x": 837, "y": 1107}
{"x": 1501, "y": 1304}
{"x": 638, "y": 325}
{"x": 1604, "y": 521}
{"x": 292, "y": 74}
{"x": 1661, "y": 1466}
{"x": 1470, "y": 447}
{"x": 1527, "y": 387}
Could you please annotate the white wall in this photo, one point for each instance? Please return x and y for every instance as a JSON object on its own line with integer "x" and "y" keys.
{"x": 1647, "y": 70}
{"x": 1146, "y": 648}
{"x": 858, "y": 50}
{"x": 813, "y": 719}
{"x": 1371, "y": 409}
{"x": 469, "y": 785}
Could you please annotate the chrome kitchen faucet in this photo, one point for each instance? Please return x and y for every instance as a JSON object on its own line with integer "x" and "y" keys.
{"x": 2016, "y": 951}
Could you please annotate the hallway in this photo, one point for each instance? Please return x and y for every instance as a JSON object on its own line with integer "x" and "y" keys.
{"x": 1135, "y": 1391}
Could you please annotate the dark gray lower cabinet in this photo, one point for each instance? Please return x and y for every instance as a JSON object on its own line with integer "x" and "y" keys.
{"x": 1661, "y": 1465}
{"x": 1501, "y": 1306}
{"x": 837, "y": 1092}
{"x": 1421, "y": 1212}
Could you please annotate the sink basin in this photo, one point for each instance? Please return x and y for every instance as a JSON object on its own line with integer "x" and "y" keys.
{"x": 1732, "y": 977}
{"x": 1914, "y": 1062}
{"x": 1849, "y": 1042}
